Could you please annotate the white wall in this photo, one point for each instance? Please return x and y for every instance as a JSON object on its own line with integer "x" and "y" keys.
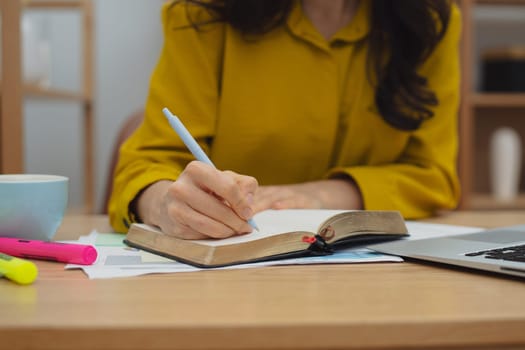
{"x": 127, "y": 41}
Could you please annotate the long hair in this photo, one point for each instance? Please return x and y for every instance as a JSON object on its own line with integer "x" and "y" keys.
{"x": 403, "y": 35}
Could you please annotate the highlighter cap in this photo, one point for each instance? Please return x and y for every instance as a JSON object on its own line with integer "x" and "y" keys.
{"x": 89, "y": 256}
{"x": 26, "y": 274}
{"x": 20, "y": 271}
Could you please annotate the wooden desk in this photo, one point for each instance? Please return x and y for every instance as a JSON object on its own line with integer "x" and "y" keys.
{"x": 374, "y": 306}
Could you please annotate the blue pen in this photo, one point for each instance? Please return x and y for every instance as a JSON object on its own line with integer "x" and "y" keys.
{"x": 192, "y": 145}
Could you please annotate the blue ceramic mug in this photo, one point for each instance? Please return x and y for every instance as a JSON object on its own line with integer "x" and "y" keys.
{"x": 32, "y": 206}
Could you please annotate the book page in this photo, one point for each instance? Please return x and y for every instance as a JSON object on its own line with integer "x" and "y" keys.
{"x": 274, "y": 222}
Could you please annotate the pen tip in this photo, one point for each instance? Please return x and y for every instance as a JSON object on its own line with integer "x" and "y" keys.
{"x": 254, "y": 225}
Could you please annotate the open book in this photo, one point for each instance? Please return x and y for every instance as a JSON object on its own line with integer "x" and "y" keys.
{"x": 283, "y": 234}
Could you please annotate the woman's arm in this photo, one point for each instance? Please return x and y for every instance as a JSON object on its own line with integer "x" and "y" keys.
{"x": 184, "y": 80}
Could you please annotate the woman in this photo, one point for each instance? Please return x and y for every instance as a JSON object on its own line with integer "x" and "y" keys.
{"x": 343, "y": 104}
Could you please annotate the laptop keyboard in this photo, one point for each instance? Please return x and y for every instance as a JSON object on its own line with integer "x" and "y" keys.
{"x": 515, "y": 253}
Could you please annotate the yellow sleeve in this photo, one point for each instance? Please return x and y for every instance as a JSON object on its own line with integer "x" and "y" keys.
{"x": 424, "y": 179}
{"x": 186, "y": 81}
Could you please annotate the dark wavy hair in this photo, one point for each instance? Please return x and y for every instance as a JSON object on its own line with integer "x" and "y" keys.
{"x": 403, "y": 35}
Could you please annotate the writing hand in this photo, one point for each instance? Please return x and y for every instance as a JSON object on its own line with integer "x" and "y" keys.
{"x": 204, "y": 202}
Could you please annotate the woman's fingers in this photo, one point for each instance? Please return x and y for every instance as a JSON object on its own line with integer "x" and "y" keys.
{"x": 286, "y": 197}
{"x": 268, "y": 197}
{"x": 204, "y": 212}
{"x": 190, "y": 224}
{"x": 233, "y": 188}
{"x": 243, "y": 196}
{"x": 206, "y": 202}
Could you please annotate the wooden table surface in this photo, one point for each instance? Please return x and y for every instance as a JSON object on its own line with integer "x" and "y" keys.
{"x": 354, "y": 306}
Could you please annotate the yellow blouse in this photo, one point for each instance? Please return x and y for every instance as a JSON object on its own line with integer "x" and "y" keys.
{"x": 291, "y": 107}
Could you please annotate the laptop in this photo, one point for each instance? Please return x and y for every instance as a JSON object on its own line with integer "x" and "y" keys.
{"x": 500, "y": 250}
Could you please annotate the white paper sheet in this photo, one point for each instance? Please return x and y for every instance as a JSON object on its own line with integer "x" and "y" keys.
{"x": 118, "y": 260}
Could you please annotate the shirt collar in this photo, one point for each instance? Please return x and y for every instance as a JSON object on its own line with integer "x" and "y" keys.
{"x": 356, "y": 30}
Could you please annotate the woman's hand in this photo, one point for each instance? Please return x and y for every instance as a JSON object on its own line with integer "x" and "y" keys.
{"x": 323, "y": 194}
{"x": 204, "y": 202}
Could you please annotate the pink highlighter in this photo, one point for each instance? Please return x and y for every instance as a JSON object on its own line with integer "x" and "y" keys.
{"x": 54, "y": 251}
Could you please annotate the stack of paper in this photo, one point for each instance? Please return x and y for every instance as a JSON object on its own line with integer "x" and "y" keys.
{"x": 115, "y": 259}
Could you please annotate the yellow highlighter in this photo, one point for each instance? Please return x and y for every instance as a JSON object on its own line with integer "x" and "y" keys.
{"x": 17, "y": 270}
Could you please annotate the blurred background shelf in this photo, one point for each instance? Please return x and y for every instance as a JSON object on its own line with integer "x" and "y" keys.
{"x": 52, "y": 4}
{"x": 501, "y": 2}
{"x": 481, "y": 113}
{"x": 36, "y": 91}
{"x": 13, "y": 90}
{"x": 498, "y": 100}
{"x": 484, "y": 201}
